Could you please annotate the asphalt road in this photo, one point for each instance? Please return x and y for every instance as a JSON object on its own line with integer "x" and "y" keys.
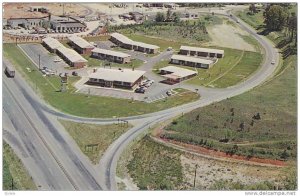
{"x": 76, "y": 165}
{"x": 56, "y": 161}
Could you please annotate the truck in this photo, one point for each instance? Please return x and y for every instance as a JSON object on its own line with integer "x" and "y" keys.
{"x": 9, "y": 71}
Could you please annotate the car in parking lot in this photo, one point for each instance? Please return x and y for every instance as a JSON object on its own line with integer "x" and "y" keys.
{"x": 139, "y": 90}
{"x": 57, "y": 60}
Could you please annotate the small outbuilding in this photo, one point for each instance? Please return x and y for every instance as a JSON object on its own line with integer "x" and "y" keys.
{"x": 176, "y": 74}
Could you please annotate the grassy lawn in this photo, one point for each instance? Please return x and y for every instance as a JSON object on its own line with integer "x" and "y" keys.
{"x": 155, "y": 167}
{"x": 13, "y": 168}
{"x": 93, "y": 139}
{"x": 79, "y": 104}
{"x": 271, "y": 136}
{"x": 230, "y": 70}
{"x": 94, "y": 62}
{"x": 255, "y": 20}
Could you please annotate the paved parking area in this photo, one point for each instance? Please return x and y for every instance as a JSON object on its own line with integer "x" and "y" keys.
{"x": 155, "y": 92}
{"x": 46, "y": 58}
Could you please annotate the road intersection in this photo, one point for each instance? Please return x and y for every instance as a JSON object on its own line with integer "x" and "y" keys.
{"x": 66, "y": 168}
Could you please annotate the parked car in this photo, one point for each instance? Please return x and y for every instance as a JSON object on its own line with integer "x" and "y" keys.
{"x": 74, "y": 73}
{"x": 169, "y": 93}
{"x": 139, "y": 90}
{"x": 57, "y": 60}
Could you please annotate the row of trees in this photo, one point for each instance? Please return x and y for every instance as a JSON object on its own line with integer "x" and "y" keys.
{"x": 278, "y": 17}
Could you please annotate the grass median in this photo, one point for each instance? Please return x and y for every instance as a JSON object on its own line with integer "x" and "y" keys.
{"x": 81, "y": 104}
{"x": 94, "y": 139}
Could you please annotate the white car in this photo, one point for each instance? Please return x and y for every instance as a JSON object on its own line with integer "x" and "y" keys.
{"x": 57, "y": 60}
{"x": 273, "y": 62}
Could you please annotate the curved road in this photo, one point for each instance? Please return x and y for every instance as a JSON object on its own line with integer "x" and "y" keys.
{"x": 108, "y": 162}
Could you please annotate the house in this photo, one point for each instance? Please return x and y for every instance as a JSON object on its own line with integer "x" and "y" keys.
{"x": 115, "y": 78}
{"x": 110, "y": 55}
{"x": 80, "y": 45}
{"x": 203, "y": 52}
{"x": 176, "y": 74}
{"x": 127, "y": 43}
{"x": 191, "y": 61}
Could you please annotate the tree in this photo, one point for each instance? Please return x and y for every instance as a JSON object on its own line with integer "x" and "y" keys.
{"x": 275, "y": 17}
{"x": 169, "y": 13}
{"x": 160, "y": 17}
{"x": 176, "y": 17}
{"x": 252, "y": 8}
{"x": 292, "y": 26}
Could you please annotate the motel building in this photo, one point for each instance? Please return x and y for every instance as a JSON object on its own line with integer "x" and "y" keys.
{"x": 71, "y": 57}
{"x": 203, "y": 52}
{"x": 114, "y": 78}
{"x": 191, "y": 61}
{"x": 51, "y": 44}
{"x": 175, "y": 75}
{"x": 129, "y": 44}
{"x": 80, "y": 45}
{"x": 114, "y": 56}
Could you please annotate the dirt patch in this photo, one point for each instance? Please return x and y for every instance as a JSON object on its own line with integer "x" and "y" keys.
{"x": 214, "y": 153}
{"x": 21, "y": 10}
{"x": 210, "y": 171}
{"x": 228, "y": 35}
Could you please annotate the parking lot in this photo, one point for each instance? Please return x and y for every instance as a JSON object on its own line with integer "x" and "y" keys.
{"x": 46, "y": 58}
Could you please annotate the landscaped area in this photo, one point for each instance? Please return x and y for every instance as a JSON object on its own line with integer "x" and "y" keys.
{"x": 235, "y": 67}
{"x": 15, "y": 176}
{"x": 94, "y": 139}
{"x": 83, "y": 105}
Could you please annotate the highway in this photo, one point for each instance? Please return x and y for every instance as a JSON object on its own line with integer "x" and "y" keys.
{"x": 51, "y": 145}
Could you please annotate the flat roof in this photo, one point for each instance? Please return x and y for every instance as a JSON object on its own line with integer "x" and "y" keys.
{"x": 210, "y": 50}
{"x": 52, "y": 43}
{"x": 82, "y": 43}
{"x": 110, "y": 52}
{"x": 178, "y": 71}
{"x": 126, "y": 40}
{"x": 70, "y": 54}
{"x": 191, "y": 59}
{"x": 124, "y": 75}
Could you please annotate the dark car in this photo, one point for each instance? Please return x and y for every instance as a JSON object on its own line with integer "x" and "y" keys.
{"x": 139, "y": 90}
{"x": 74, "y": 73}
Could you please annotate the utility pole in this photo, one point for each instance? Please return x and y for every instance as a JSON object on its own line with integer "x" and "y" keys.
{"x": 39, "y": 61}
{"x": 12, "y": 184}
{"x": 195, "y": 175}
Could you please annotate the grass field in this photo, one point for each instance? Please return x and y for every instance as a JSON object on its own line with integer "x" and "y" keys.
{"x": 183, "y": 31}
{"x": 155, "y": 167}
{"x": 93, "y": 139}
{"x": 13, "y": 168}
{"x": 79, "y": 104}
{"x": 233, "y": 68}
{"x": 231, "y": 122}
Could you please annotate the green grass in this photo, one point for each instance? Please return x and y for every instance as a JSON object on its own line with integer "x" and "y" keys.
{"x": 13, "y": 168}
{"x": 255, "y": 20}
{"x": 94, "y": 139}
{"x": 81, "y": 104}
{"x": 268, "y": 137}
{"x": 155, "y": 167}
{"x": 230, "y": 70}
